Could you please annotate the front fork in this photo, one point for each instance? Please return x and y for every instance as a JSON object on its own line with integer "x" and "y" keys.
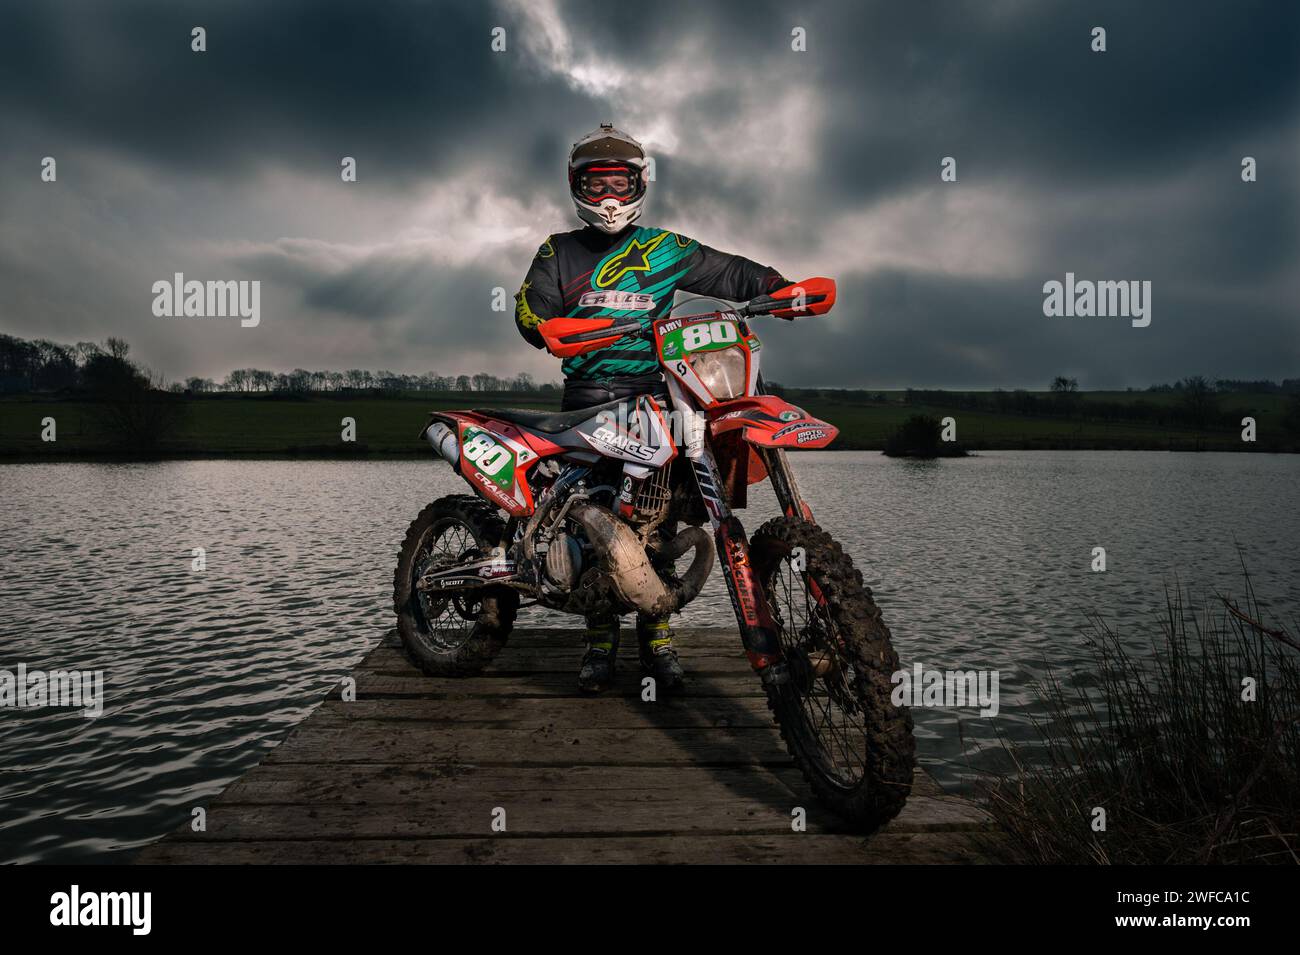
{"x": 787, "y": 491}
{"x": 758, "y": 630}
{"x": 791, "y": 501}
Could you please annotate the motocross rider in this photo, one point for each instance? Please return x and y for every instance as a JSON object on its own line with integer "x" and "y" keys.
{"x": 611, "y": 267}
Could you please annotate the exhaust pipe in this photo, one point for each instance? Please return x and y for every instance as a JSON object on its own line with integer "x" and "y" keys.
{"x": 444, "y": 442}
{"x": 631, "y": 575}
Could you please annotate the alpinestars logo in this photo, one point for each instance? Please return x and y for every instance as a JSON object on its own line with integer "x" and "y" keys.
{"x": 634, "y": 258}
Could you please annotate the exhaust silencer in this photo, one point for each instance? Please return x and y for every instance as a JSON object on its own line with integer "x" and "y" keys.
{"x": 444, "y": 442}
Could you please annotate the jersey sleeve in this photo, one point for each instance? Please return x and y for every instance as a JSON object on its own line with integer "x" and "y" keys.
{"x": 539, "y": 298}
{"x": 731, "y": 277}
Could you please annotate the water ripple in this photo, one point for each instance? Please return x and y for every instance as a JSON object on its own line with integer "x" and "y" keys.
{"x": 977, "y": 563}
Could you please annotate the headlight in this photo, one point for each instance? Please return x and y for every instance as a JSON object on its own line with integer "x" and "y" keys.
{"x": 722, "y": 371}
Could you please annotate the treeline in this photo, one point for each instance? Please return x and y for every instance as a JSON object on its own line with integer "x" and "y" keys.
{"x": 1196, "y": 402}
{"x": 301, "y": 380}
{"x": 1289, "y": 386}
{"x": 87, "y": 366}
{"x": 130, "y": 405}
{"x": 45, "y": 366}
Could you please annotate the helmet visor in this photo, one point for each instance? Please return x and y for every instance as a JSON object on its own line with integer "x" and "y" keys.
{"x": 597, "y": 182}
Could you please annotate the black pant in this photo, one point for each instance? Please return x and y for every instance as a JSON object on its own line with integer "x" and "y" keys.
{"x": 580, "y": 393}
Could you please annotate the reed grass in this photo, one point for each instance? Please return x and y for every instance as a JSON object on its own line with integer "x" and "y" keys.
{"x": 1187, "y": 766}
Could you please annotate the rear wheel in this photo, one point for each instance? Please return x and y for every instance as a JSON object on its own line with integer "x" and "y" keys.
{"x": 852, "y": 743}
{"x": 454, "y": 634}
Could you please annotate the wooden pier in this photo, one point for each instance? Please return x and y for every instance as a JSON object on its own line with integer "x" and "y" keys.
{"x": 417, "y": 769}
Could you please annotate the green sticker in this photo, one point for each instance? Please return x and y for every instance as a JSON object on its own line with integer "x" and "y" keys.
{"x": 700, "y": 336}
{"x": 489, "y": 456}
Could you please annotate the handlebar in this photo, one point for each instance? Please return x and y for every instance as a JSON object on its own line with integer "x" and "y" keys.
{"x": 811, "y": 297}
{"x": 627, "y": 330}
{"x": 766, "y": 304}
{"x": 762, "y": 305}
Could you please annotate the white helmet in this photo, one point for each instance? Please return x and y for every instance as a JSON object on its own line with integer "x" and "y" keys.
{"x": 607, "y": 178}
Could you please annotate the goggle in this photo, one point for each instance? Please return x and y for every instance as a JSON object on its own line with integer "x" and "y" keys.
{"x": 601, "y": 181}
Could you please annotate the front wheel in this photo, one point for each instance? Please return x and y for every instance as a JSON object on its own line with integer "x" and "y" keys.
{"x": 836, "y": 715}
{"x": 454, "y": 634}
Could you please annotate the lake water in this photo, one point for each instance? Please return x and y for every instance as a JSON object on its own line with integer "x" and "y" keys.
{"x": 977, "y": 563}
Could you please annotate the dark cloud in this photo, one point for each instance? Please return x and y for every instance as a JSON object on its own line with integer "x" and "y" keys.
{"x": 1007, "y": 342}
{"x": 1117, "y": 165}
{"x": 412, "y": 86}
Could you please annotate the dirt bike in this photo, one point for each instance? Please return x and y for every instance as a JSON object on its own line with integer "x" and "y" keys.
{"x": 576, "y": 511}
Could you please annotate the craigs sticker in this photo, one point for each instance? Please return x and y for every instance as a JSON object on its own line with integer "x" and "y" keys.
{"x": 618, "y": 301}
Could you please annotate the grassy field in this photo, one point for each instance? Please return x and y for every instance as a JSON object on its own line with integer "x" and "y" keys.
{"x": 865, "y": 424}
{"x": 273, "y": 425}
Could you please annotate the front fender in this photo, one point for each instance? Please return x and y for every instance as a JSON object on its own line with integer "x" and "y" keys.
{"x": 771, "y": 422}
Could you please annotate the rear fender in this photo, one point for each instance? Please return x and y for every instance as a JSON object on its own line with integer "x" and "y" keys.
{"x": 494, "y": 458}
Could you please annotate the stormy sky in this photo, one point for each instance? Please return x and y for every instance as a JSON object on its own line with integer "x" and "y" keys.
{"x": 1122, "y": 165}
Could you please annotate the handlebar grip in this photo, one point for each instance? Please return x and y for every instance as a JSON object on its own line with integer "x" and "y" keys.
{"x": 759, "y": 305}
{"x": 765, "y": 304}
{"x": 591, "y": 336}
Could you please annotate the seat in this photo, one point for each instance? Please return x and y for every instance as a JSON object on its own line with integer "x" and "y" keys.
{"x": 553, "y": 422}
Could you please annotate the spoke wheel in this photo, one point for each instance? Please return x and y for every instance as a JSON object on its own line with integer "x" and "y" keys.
{"x": 855, "y": 747}
{"x": 446, "y": 620}
{"x": 455, "y": 634}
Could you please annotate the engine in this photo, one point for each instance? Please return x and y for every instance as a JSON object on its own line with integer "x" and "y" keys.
{"x": 589, "y": 537}
{"x": 564, "y": 562}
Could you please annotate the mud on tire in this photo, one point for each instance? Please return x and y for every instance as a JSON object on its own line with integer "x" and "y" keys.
{"x": 864, "y": 774}
{"x": 454, "y": 636}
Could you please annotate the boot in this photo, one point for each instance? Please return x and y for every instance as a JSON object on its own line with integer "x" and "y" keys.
{"x": 599, "y": 662}
{"x": 658, "y": 658}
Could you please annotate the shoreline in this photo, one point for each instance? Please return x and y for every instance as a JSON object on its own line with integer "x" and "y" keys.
{"x": 128, "y": 457}
{"x": 387, "y": 427}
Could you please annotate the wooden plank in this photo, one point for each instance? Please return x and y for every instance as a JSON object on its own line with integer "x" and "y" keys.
{"x": 557, "y": 684}
{"x": 345, "y": 783}
{"x": 804, "y": 848}
{"x": 414, "y": 767}
{"x": 365, "y": 742}
{"x": 706, "y": 663}
{"x": 566, "y": 813}
{"x": 511, "y": 658}
{"x": 689, "y": 638}
{"x": 533, "y": 713}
